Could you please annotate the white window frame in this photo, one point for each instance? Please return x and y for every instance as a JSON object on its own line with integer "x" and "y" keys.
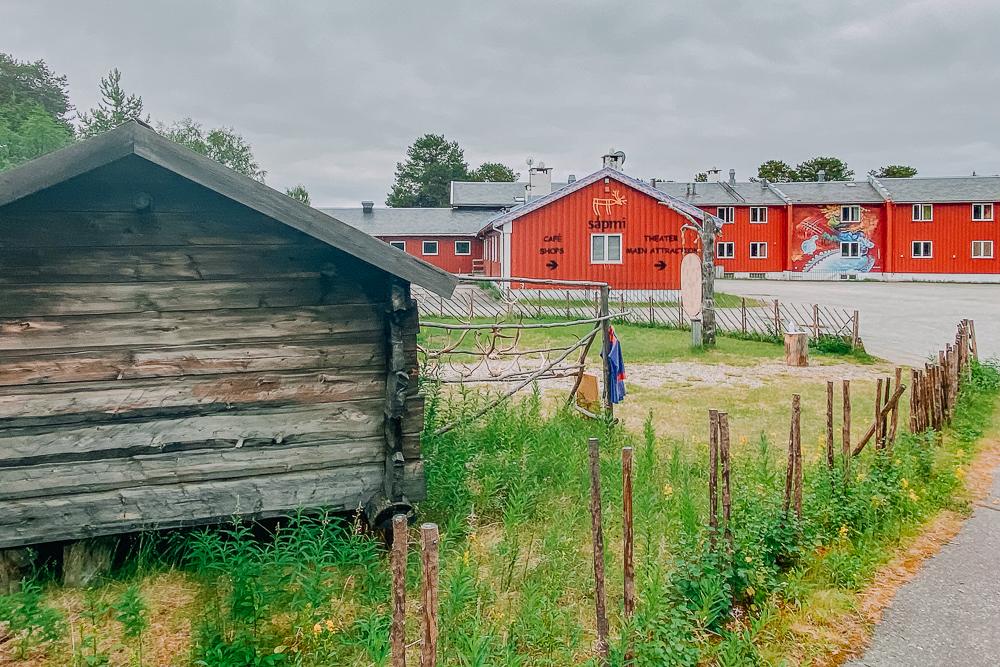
{"x": 920, "y": 209}
{"x": 423, "y": 248}
{"x": 605, "y": 238}
{"x": 728, "y": 245}
{"x": 983, "y": 245}
{"x": 847, "y": 213}
{"x": 398, "y": 244}
{"x": 921, "y": 255}
{"x": 759, "y": 244}
{"x": 463, "y": 254}
{"x": 758, "y": 210}
{"x": 984, "y": 206}
{"x": 855, "y": 247}
{"x": 729, "y": 217}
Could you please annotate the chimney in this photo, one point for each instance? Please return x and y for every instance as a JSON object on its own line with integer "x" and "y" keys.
{"x": 368, "y": 207}
{"x": 821, "y": 175}
{"x": 694, "y": 189}
{"x": 539, "y": 181}
{"x": 571, "y": 178}
{"x": 732, "y": 177}
{"x": 614, "y": 159}
{"x": 713, "y": 175}
{"x": 763, "y": 184}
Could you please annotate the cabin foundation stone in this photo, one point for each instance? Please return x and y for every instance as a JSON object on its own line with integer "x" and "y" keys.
{"x": 13, "y": 566}
{"x": 86, "y": 561}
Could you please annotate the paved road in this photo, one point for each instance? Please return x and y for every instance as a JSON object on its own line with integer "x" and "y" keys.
{"x": 901, "y": 322}
{"x": 949, "y": 614}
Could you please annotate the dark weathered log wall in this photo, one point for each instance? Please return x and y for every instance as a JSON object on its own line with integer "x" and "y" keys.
{"x": 185, "y": 363}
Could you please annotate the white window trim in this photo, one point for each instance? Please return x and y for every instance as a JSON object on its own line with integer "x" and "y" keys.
{"x": 463, "y": 254}
{"x": 850, "y": 207}
{"x": 920, "y": 207}
{"x": 983, "y": 204}
{"x": 730, "y": 245}
{"x": 760, "y": 244}
{"x": 913, "y": 254}
{"x": 983, "y": 242}
{"x": 423, "y": 248}
{"x": 401, "y": 245}
{"x": 731, "y": 215}
{"x": 854, "y": 244}
{"x": 621, "y": 250}
{"x": 758, "y": 208}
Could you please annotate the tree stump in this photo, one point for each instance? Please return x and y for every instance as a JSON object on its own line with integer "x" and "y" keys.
{"x": 797, "y": 349}
{"x": 85, "y": 561}
{"x": 13, "y": 565}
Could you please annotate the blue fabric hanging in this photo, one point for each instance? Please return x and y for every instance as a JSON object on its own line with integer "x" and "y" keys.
{"x": 616, "y": 368}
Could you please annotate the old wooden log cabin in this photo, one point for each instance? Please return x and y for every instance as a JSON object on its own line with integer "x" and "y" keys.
{"x": 180, "y": 344}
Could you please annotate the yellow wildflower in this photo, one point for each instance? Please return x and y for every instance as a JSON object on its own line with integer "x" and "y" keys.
{"x": 842, "y": 533}
{"x": 743, "y": 440}
{"x": 317, "y": 629}
{"x": 960, "y": 473}
{"x": 330, "y": 626}
{"x": 748, "y": 559}
{"x": 913, "y": 496}
{"x": 465, "y": 558}
{"x": 750, "y": 591}
{"x": 905, "y": 483}
{"x": 668, "y": 490}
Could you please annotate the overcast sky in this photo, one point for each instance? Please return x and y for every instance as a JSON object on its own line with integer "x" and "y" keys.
{"x": 330, "y": 96}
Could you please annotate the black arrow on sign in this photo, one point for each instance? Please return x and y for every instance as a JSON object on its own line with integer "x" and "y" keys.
{"x": 660, "y": 265}
{"x": 552, "y": 264}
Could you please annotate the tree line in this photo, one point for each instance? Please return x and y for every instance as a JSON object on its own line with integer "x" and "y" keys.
{"x": 833, "y": 168}
{"x": 37, "y": 116}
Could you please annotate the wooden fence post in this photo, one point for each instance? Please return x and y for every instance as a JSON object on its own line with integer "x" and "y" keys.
{"x": 743, "y": 313}
{"x": 628, "y": 564}
{"x": 914, "y": 400}
{"x": 713, "y": 475}
{"x": 895, "y": 409}
{"x": 797, "y": 432}
{"x": 429, "y": 539}
{"x": 972, "y": 339}
{"x": 727, "y": 498}
{"x": 829, "y": 425}
{"x": 855, "y": 330}
{"x": 816, "y": 321}
{"x": 606, "y": 348}
{"x": 397, "y": 633}
{"x": 777, "y": 318}
{"x": 878, "y": 413}
{"x": 845, "y": 445}
{"x": 597, "y": 532}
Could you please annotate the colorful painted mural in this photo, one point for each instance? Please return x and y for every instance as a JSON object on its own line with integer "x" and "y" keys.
{"x": 836, "y": 239}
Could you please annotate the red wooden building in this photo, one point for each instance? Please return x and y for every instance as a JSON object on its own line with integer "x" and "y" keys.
{"x": 609, "y": 226}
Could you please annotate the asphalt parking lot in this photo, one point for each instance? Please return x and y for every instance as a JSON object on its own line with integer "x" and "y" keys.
{"x": 900, "y": 322}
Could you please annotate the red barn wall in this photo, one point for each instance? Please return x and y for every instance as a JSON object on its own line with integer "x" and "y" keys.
{"x": 952, "y": 232}
{"x": 446, "y": 258}
{"x": 741, "y": 232}
{"x": 560, "y": 232}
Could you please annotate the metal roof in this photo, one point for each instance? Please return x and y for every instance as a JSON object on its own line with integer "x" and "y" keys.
{"x": 489, "y": 195}
{"x": 134, "y": 138}
{"x": 742, "y": 193}
{"x": 685, "y": 208}
{"x": 943, "y": 189}
{"x": 831, "y": 192}
{"x": 414, "y": 221}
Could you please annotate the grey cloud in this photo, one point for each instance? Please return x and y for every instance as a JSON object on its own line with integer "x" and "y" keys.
{"x": 330, "y": 94}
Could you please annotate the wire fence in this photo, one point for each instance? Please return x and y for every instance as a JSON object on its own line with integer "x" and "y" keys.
{"x": 499, "y": 302}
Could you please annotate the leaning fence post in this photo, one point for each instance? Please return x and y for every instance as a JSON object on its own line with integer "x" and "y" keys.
{"x": 845, "y": 445}
{"x": 816, "y": 321}
{"x": 429, "y": 539}
{"x": 895, "y": 409}
{"x": 777, "y": 318}
{"x": 743, "y": 314}
{"x": 829, "y": 424}
{"x": 597, "y": 532}
{"x": 628, "y": 566}
{"x": 397, "y": 635}
{"x": 855, "y": 330}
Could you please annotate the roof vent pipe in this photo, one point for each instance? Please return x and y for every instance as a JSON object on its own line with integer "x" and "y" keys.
{"x": 732, "y": 177}
{"x": 368, "y": 207}
{"x": 694, "y": 189}
{"x": 821, "y": 175}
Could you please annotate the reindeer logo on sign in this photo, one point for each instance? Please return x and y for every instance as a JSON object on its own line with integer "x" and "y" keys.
{"x": 607, "y": 202}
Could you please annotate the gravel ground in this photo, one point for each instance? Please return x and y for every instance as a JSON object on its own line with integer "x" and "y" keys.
{"x": 901, "y": 322}
{"x": 949, "y": 614}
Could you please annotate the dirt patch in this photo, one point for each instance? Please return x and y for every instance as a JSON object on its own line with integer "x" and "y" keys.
{"x": 753, "y": 377}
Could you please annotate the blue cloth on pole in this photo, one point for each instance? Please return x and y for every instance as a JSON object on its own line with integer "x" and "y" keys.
{"x": 616, "y": 368}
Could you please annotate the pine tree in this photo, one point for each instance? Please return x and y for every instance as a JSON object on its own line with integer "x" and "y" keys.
{"x": 115, "y": 108}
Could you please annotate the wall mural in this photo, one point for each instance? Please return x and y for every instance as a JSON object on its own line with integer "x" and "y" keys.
{"x": 824, "y": 242}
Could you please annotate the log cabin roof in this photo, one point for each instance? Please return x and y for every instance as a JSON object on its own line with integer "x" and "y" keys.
{"x": 134, "y": 138}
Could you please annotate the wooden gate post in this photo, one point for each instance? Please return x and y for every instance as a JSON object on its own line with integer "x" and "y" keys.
{"x": 845, "y": 445}
{"x": 597, "y": 532}
{"x": 829, "y": 425}
{"x": 628, "y": 565}
{"x": 429, "y": 538}
{"x": 606, "y": 347}
{"x": 397, "y": 633}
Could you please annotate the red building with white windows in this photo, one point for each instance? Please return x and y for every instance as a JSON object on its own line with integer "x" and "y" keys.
{"x": 611, "y": 227}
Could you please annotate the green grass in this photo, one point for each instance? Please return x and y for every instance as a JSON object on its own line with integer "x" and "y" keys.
{"x": 640, "y": 343}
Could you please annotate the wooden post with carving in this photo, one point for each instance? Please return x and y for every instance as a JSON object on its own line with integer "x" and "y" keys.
{"x": 597, "y": 533}
{"x": 397, "y": 633}
{"x": 429, "y": 538}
